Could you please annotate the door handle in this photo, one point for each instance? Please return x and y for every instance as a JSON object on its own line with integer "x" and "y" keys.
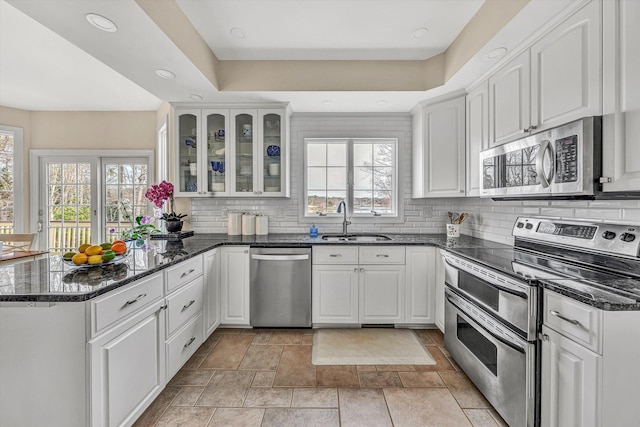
{"x": 280, "y": 257}
{"x": 566, "y": 319}
{"x": 545, "y": 178}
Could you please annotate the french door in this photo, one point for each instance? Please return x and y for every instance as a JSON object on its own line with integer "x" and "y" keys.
{"x": 89, "y": 198}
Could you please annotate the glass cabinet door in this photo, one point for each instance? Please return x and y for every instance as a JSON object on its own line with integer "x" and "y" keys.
{"x": 271, "y": 147}
{"x": 244, "y": 124}
{"x": 215, "y": 159}
{"x": 187, "y": 168}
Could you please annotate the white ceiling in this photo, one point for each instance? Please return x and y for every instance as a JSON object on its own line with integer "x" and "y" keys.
{"x": 329, "y": 29}
{"x": 52, "y": 59}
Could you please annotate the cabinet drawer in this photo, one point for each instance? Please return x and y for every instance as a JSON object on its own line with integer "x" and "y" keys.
{"x": 115, "y": 306}
{"x": 182, "y": 346}
{"x": 580, "y": 322}
{"x": 183, "y": 273}
{"x": 381, "y": 255}
{"x": 335, "y": 255}
{"x": 183, "y": 304}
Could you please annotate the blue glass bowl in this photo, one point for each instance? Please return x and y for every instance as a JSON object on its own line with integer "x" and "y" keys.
{"x": 273, "y": 151}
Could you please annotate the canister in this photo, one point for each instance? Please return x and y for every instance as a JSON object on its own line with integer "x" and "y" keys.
{"x": 248, "y": 224}
{"x": 262, "y": 225}
{"x": 234, "y": 223}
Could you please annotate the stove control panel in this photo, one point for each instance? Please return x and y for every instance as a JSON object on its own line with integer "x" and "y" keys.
{"x": 600, "y": 237}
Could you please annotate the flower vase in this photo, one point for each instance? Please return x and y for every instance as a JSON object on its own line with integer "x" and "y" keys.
{"x": 174, "y": 226}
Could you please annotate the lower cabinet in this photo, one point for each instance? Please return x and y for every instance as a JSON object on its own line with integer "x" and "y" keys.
{"x": 234, "y": 292}
{"x": 381, "y": 293}
{"x": 439, "y": 289}
{"x": 127, "y": 368}
{"x": 420, "y": 285}
{"x": 335, "y": 294}
{"x": 211, "y": 308}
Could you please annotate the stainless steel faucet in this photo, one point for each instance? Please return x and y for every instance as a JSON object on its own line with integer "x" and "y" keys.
{"x": 345, "y": 223}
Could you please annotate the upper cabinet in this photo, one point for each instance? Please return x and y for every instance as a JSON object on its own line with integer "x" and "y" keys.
{"x": 477, "y": 134}
{"x": 556, "y": 81}
{"x": 621, "y": 78}
{"x": 439, "y": 149}
{"x": 232, "y": 152}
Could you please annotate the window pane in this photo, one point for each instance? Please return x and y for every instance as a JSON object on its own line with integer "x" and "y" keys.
{"x": 69, "y": 173}
{"x": 362, "y": 178}
{"x": 111, "y": 174}
{"x": 362, "y": 201}
{"x": 337, "y": 154}
{"x": 316, "y": 154}
{"x": 382, "y": 202}
{"x": 55, "y": 173}
{"x": 316, "y": 202}
{"x": 126, "y": 174}
{"x": 362, "y": 155}
{"x": 316, "y": 178}
{"x": 383, "y": 154}
{"x": 382, "y": 178}
{"x": 337, "y": 178}
{"x": 334, "y": 198}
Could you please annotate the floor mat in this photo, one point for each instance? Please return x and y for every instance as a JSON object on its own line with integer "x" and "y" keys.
{"x": 369, "y": 347}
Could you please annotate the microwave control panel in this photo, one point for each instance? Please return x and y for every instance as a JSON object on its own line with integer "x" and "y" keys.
{"x": 567, "y": 159}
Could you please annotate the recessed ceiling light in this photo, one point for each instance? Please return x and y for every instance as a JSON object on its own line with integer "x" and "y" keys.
{"x": 196, "y": 97}
{"x": 237, "y": 33}
{"x": 496, "y": 53}
{"x": 327, "y": 102}
{"x": 418, "y": 33}
{"x": 101, "y": 23}
{"x": 382, "y": 102}
{"x": 165, "y": 74}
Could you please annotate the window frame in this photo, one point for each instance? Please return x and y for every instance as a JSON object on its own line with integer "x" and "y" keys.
{"x": 397, "y": 214}
{"x": 18, "y": 177}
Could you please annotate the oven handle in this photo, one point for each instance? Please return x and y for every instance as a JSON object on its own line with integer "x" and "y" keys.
{"x": 471, "y": 320}
{"x": 499, "y": 287}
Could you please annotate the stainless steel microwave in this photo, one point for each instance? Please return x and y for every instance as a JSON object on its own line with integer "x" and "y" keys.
{"x": 564, "y": 162}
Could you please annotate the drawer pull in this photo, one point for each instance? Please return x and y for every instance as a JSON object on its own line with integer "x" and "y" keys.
{"x": 382, "y": 256}
{"x": 189, "y": 343}
{"x": 566, "y": 319}
{"x": 188, "y": 305}
{"x": 133, "y": 301}
{"x": 187, "y": 273}
{"x": 335, "y": 255}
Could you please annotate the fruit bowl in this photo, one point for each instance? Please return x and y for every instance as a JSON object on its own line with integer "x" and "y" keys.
{"x": 117, "y": 260}
{"x": 88, "y": 255}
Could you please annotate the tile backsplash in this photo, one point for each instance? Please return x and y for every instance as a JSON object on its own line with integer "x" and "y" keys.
{"x": 488, "y": 219}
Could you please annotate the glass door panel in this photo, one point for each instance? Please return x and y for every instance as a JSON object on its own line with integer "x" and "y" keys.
{"x": 216, "y": 164}
{"x": 126, "y": 181}
{"x": 244, "y": 153}
{"x": 271, "y": 143}
{"x": 187, "y": 153}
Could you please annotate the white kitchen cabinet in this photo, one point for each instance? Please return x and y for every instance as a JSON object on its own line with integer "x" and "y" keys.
{"x": 234, "y": 292}
{"x": 381, "y": 293}
{"x": 439, "y": 149}
{"x": 127, "y": 368}
{"x": 510, "y": 100}
{"x": 570, "y": 382}
{"x": 335, "y": 296}
{"x": 439, "y": 291}
{"x": 621, "y": 93}
{"x": 420, "y": 285}
{"x": 477, "y": 134}
{"x": 211, "y": 309}
{"x": 566, "y": 67}
{"x": 225, "y": 152}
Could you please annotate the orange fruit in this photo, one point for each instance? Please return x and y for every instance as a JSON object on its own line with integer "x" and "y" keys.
{"x": 93, "y": 250}
{"x": 83, "y": 247}
{"x": 118, "y": 241}
{"x": 95, "y": 259}
{"x": 79, "y": 259}
{"x": 119, "y": 248}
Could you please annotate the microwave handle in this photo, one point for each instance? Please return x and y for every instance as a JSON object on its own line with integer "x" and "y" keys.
{"x": 545, "y": 179}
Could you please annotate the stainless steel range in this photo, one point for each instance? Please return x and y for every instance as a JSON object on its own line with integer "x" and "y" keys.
{"x": 493, "y": 304}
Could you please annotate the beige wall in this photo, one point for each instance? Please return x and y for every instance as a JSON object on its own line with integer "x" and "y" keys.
{"x": 81, "y": 130}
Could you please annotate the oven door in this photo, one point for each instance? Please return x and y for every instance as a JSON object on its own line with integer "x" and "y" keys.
{"x": 514, "y": 301}
{"x": 500, "y": 364}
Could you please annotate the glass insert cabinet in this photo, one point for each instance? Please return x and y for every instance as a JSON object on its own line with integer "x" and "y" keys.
{"x": 231, "y": 152}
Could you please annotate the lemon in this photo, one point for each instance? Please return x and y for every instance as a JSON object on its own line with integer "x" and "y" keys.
{"x": 95, "y": 259}
{"x": 105, "y": 245}
{"x": 93, "y": 250}
{"x": 83, "y": 247}
{"x": 108, "y": 255}
{"x": 68, "y": 256}
{"x": 79, "y": 259}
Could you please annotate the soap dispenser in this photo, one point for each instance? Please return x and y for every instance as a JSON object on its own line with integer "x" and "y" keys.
{"x": 313, "y": 231}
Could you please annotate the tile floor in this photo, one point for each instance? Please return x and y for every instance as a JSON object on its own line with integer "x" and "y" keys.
{"x": 264, "y": 377}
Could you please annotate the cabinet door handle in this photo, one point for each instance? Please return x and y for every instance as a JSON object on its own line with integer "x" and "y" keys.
{"x": 566, "y": 319}
{"x": 362, "y": 270}
{"x": 188, "y": 305}
{"x": 335, "y": 255}
{"x": 355, "y": 270}
{"x": 382, "y": 256}
{"x": 189, "y": 343}
{"x": 133, "y": 301}
{"x": 185, "y": 274}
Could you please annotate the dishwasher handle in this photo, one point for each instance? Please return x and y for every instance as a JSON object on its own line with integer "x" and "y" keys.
{"x": 280, "y": 257}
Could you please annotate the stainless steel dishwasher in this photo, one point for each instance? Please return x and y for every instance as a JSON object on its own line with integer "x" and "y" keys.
{"x": 280, "y": 287}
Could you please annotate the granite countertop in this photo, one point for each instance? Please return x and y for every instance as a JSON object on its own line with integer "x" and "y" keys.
{"x": 52, "y": 280}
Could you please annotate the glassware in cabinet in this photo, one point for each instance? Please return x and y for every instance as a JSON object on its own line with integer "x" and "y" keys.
{"x": 272, "y": 147}
{"x": 187, "y": 168}
{"x": 217, "y": 151}
{"x": 244, "y": 152}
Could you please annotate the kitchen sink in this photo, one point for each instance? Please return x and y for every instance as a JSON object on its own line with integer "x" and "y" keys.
{"x": 356, "y": 238}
